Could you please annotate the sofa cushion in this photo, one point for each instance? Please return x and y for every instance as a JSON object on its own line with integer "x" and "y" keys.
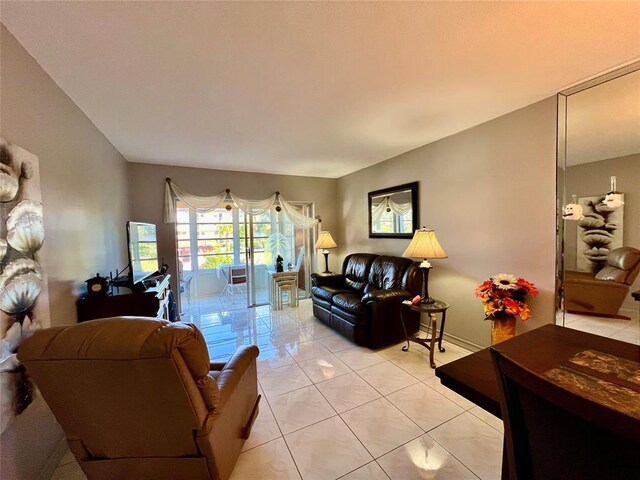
{"x": 356, "y": 269}
{"x": 350, "y": 302}
{"x": 326, "y": 293}
{"x": 386, "y": 273}
{"x": 339, "y": 316}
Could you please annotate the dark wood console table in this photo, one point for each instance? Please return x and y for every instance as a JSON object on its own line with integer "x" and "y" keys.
{"x": 152, "y": 302}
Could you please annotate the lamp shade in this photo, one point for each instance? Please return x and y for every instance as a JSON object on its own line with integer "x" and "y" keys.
{"x": 325, "y": 240}
{"x": 424, "y": 244}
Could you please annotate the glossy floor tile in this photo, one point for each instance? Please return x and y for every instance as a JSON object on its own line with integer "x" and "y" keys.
{"x": 300, "y": 408}
{"x": 326, "y": 450}
{"x": 324, "y": 367}
{"x": 474, "y": 443}
{"x": 426, "y": 407}
{"x": 271, "y": 461}
{"x": 616, "y": 328}
{"x": 347, "y": 392}
{"x": 387, "y": 377}
{"x": 371, "y": 471}
{"x": 380, "y": 426}
{"x": 423, "y": 458}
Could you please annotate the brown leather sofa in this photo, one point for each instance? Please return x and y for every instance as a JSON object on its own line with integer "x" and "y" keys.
{"x": 138, "y": 398}
{"x": 363, "y": 302}
{"x": 603, "y": 293}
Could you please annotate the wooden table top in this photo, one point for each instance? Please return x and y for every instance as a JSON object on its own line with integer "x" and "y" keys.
{"x": 539, "y": 350}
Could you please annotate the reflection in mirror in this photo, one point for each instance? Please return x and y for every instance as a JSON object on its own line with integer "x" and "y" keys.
{"x": 393, "y": 212}
{"x": 599, "y": 206}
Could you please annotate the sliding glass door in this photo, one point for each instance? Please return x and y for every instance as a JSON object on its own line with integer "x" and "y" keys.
{"x": 272, "y": 234}
{"x": 225, "y": 256}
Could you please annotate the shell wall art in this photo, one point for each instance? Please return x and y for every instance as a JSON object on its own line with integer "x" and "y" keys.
{"x": 24, "y": 305}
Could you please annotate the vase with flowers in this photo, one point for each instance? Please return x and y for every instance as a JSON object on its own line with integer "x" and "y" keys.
{"x": 503, "y": 299}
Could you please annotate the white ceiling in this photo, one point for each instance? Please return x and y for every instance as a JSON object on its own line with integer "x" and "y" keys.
{"x": 604, "y": 121}
{"x": 319, "y": 89}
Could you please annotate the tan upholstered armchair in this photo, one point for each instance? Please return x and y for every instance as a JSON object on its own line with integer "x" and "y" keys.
{"x": 603, "y": 293}
{"x": 137, "y": 400}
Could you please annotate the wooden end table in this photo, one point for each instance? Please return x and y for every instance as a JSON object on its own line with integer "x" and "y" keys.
{"x": 438, "y": 306}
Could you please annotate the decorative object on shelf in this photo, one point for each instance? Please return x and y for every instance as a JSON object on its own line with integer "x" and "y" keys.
{"x": 573, "y": 211}
{"x": 503, "y": 299}
{"x": 613, "y": 199}
{"x": 393, "y": 212}
{"x": 599, "y": 232}
{"x": 425, "y": 245}
{"x": 24, "y": 304}
{"x": 98, "y": 285}
{"x": 325, "y": 242}
{"x": 279, "y": 261}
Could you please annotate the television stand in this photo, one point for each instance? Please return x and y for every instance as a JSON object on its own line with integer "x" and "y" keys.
{"x": 143, "y": 301}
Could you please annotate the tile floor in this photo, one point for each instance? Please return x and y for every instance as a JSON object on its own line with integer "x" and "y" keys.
{"x": 619, "y": 329}
{"x": 333, "y": 410}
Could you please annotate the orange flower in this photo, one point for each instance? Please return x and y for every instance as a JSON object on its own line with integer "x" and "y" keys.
{"x": 483, "y": 289}
{"x": 512, "y": 307}
{"x": 527, "y": 286}
{"x": 525, "y": 314}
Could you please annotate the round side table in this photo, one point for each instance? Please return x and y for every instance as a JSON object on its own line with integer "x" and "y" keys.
{"x": 438, "y": 306}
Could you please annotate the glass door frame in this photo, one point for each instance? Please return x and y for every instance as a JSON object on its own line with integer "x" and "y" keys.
{"x": 309, "y": 241}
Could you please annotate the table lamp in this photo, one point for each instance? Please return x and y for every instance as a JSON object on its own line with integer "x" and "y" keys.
{"x": 425, "y": 245}
{"x": 325, "y": 241}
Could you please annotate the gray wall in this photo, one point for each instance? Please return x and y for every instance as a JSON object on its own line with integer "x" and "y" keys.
{"x": 146, "y": 184}
{"x": 591, "y": 179}
{"x": 84, "y": 193}
{"x": 489, "y": 193}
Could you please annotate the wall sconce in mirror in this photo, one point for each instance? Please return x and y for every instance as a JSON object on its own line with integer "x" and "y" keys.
{"x": 573, "y": 210}
{"x": 393, "y": 212}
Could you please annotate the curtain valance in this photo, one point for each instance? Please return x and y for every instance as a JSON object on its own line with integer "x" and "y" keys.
{"x": 398, "y": 208}
{"x": 172, "y": 192}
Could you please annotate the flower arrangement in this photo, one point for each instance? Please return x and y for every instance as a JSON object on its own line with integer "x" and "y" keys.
{"x": 504, "y": 294}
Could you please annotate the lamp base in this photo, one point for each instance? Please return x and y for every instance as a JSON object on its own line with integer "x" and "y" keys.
{"x": 326, "y": 261}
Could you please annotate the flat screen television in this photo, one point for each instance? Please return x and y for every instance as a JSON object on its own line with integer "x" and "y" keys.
{"x": 143, "y": 250}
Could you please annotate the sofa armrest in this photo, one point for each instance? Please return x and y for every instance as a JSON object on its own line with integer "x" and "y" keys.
{"x": 590, "y": 280}
{"x": 380, "y": 296}
{"x": 327, "y": 280}
{"x": 233, "y": 371}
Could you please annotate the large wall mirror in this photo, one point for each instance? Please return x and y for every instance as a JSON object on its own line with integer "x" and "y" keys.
{"x": 393, "y": 212}
{"x": 598, "y": 258}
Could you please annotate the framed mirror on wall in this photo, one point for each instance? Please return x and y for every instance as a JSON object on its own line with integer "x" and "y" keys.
{"x": 598, "y": 203}
{"x": 393, "y": 212}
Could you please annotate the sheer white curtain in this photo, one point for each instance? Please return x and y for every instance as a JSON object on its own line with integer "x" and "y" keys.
{"x": 398, "y": 208}
{"x": 251, "y": 207}
{"x": 300, "y": 220}
{"x": 173, "y": 192}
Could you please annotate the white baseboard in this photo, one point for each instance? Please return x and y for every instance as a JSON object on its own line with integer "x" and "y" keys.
{"x": 460, "y": 342}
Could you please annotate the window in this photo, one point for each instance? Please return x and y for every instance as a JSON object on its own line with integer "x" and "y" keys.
{"x": 215, "y": 234}
{"x": 206, "y": 240}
